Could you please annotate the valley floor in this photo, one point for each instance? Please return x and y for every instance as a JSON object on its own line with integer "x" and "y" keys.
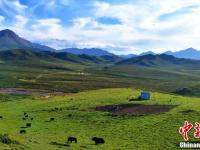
{"x": 75, "y": 115}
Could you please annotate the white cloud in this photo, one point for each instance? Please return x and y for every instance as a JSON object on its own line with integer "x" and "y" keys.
{"x": 84, "y": 22}
{"x": 2, "y": 18}
{"x": 65, "y": 2}
{"x": 17, "y": 5}
{"x": 50, "y": 5}
{"x": 141, "y": 25}
{"x": 12, "y": 7}
{"x": 21, "y": 21}
{"x": 47, "y": 28}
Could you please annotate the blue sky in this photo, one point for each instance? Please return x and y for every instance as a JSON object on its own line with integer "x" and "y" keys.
{"x": 119, "y": 26}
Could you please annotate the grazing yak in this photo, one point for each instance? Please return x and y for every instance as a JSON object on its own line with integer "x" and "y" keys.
{"x": 28, "y": 124}
{"x": 71, "y": 139}
{"x": 22, "y": 131}
{"x": 52, "y": 119}
{"x": 98, "y": 140}
{"x": 1, "y": 117}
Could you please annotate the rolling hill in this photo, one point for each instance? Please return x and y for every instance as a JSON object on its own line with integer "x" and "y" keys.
{"x": 128, "y": 56}
{"x": 161, "y": 60}
{"x": 147, "y": 53}
{"x": 23, "y": 64}
{"x": 13, "y": 47}
{"x": 30, "y": 55}
{"x": 87, "y": 51}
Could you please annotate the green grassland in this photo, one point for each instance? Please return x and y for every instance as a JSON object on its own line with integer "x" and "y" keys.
{"x": 71, "y": 73}
{"x": 58, "y": 75}
{"x": 83, "y": 83}
{"x": 157, "y": 79}
{"x": 88, "y": 83}
{"x": 153, "y": 131}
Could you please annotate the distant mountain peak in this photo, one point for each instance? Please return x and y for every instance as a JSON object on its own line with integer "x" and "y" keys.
{"x": 189, "y": 53}
{"x": 146, "y": 53}
{"x": 8, "y": 33}
{"x": 10, "y": 40}
{"x": 190, "y": 49}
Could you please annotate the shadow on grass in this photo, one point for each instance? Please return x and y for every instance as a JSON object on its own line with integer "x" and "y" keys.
{"x": 134, "y": 99}
{"x": 59, "y": 144}
{"x": 23, "y": 127}
{"x": 184, "y": 112}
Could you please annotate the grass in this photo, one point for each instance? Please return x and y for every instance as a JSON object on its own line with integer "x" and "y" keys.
{"x": 74, "y": 113}
{"x": 157, "y": 79}
{"x": 66, "y": 76}
{"x": 74, "y": 116}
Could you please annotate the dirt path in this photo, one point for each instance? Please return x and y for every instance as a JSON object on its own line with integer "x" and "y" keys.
{"x": 22, "y": 91}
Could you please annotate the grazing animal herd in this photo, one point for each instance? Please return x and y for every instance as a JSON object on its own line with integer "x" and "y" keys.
{"x": 70, "y": 139}
{"x": 28, "y": 125}
{"x": 97, "y": 140}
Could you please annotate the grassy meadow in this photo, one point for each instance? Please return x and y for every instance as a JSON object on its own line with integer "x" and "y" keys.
{"x": 75, "y": 116}
{"x": 84, "y": 87}
{"x": 69, "y": 77}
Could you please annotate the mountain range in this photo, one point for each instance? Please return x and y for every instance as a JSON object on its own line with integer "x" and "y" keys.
{"x": 87, "y": 51}
{"x": 9, "y": 40}
{"x": 177, "y": 72}
{"x": 161, "y": 61}
{"x": 189, "y": 53}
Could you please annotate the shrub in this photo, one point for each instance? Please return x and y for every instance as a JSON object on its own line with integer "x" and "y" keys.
{"x": 6, "y": 140}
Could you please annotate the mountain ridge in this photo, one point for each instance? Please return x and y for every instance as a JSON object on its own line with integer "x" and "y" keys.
{"x": 87, "y": 51}
{"x": 189, "y": 53}
{"x": 10, "y": 40}
{"x": 161, "y": 60}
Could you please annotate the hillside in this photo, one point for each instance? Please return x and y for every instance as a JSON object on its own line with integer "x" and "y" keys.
{"x": 28, "y": 55}
{"x": 147, "y": 53}
{"x": 189, "y": 53}
{"x": 68, "y": 72}
{"x": 162, "y": 60}
{"x": 10, "y": 40}
{"x": 87, "y": 51}
{"x": 75, "y": 115}
{"x": 63, "y": 71}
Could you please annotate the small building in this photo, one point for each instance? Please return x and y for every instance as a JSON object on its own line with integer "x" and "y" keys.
{"x": 145, "y": 95}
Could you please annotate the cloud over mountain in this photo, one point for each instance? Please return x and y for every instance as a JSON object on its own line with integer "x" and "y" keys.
{"x": 134, "y": 25}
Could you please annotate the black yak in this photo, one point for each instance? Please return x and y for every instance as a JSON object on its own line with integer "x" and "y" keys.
{"x": 22, "y": 131}
{"x": 72, "y": 139}
{"x": 28, "y": 124}
{"x": 98, "y": 140}
{"x": 52, "y": 119}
